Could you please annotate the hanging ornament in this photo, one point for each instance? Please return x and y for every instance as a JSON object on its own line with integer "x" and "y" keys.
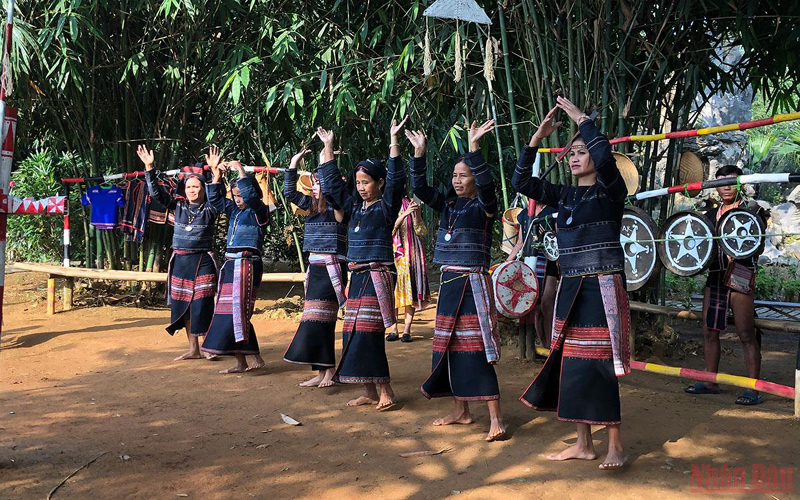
{"x": 459, "y": 62}
{"x": 460, "y": 10}
{"x": 427, "y": 62}
{"x": 488, "y": 61}
{"x": 463, "y": 10}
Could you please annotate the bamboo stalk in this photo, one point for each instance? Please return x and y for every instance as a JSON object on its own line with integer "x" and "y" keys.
{"x": 509, "y": 82}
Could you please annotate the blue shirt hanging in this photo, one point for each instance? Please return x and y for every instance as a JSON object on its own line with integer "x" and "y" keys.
{"x": 105, "y": 205}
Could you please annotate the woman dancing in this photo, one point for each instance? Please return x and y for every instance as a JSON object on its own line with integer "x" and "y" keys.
{"x": 372, "y": 200}
{"x": 192, "y": 272}
{"x": 465, "y": 344}
{"x": 231, "y": 332}
{"x": 325, "y": 238}
{"x": 589, "y": 347}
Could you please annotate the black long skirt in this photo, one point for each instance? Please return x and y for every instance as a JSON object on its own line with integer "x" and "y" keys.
{"x": 313, "y": 344}
{"x": 220, "y": 338}
{"x": 364, "y": 348}
{"x": 459, "y": 365}
{"x": 578, "y": 379}
{"x": 192, "y": 283}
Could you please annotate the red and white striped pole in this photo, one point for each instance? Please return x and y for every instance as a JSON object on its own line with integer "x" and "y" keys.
{"x": 8, "y": 119}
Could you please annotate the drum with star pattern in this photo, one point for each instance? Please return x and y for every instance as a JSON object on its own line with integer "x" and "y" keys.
{"x": 685, "y": 245}
{"x": 741, "y": 233}
{"x": 516, "y": 289}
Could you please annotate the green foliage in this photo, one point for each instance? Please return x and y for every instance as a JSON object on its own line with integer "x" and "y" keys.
{"x": 683, "y": 287}
{"x": 38, "y": 238}
{"x": 258, "y": 76}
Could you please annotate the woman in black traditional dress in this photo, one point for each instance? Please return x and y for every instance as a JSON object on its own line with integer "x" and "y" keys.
{"x": 589, "y": 347}
{"x": 372, "y": 200}
{"x": 192, "y": 272}
{"x": 465, "y": 341}
{"x": 325, "y": 238}
{"x": 231, "y": 333}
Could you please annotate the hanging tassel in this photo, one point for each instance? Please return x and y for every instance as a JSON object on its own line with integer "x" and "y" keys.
{"x": 459, "y": 62}
{"x": 488, "y": 60}
{"x": 427, "y": 61}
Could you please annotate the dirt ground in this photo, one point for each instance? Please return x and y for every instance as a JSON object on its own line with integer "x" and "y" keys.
{"x": 100, "y": 380}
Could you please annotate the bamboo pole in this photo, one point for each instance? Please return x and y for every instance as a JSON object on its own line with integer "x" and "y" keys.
{"x": 714, "y": 378}
{"x": 766, "y": 324}
{"x": 509, "y": 82}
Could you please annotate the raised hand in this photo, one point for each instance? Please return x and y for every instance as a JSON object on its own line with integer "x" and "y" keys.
{"x": 396, "y": 128}
{"x": 477, "y": 132}
{"x": 572, "y": 110}
{"x": 238, "y": 166}
{"x": 213, "y": 159}
{"x": 417, "y": 139}
{"x": 147, "y": 157}
{"x": 299, "y": 156}
{"x": 326, "y": 136}
{"x": 548, "y": 126}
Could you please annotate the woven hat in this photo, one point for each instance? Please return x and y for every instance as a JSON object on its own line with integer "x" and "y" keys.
{"x": 690, "y": 170}
{"x": 629, "y": 172}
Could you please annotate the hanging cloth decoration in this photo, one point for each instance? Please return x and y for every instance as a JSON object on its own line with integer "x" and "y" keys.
{"x": 460, "y": 10}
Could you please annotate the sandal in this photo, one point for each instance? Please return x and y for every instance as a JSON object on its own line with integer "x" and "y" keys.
{"x": 749, "y": 398}
{"x": 406, "y": 338}
{"x": 392, "y": 337}
{"x": 700, "y": 388}
{"x": 387, "y": 406}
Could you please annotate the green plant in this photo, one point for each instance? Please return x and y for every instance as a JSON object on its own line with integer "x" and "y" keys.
{"x": 38, "y": 238}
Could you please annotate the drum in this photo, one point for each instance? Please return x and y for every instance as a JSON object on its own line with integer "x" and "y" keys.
{"x": 741, "y": 233}
{"x": 510, "y": 229}
{"x": 638, "y": 233}
{"x": 516, "y": 289}
{"x": 687, "y": 246}
{"x": 550, "y": 246}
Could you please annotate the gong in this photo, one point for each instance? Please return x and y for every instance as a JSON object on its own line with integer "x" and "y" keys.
{"x": 550, "y": 246}
{"x": 741, "y": 233}
{"x": 686, "y": 244}
{"x": 638, "y": 233}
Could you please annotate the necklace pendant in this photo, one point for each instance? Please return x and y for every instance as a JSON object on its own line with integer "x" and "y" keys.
{"x": 569, "y": 219}
{"x": 357, "y": 229}
{"x": 189, "y": 228}
{"x": 448, "y": 236}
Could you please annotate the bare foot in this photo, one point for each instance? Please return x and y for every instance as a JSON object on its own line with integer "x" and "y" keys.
{"x": 361, "y": 401}
{"x": 257, "y": 364}
{"x": 312, "y": 382}
{"x": 464, "y": 418}
{"x": 210, "y": 357}
{"x": 496, "y": 430}
{"x": 614, "y": 460}
{"x": 188, "y": 355}
{"x": 327, "y": 378}
{"x": 234, "y": 369}
{"x": 576, "y": 452}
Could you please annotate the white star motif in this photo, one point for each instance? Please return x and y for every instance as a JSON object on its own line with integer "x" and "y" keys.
{"x": 689, "y": 243}
{"x": 742, "y": 232}
{"x": 632, "y": 248}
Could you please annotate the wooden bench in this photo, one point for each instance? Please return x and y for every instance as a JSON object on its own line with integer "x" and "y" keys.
{"x": 69, "y": 274}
